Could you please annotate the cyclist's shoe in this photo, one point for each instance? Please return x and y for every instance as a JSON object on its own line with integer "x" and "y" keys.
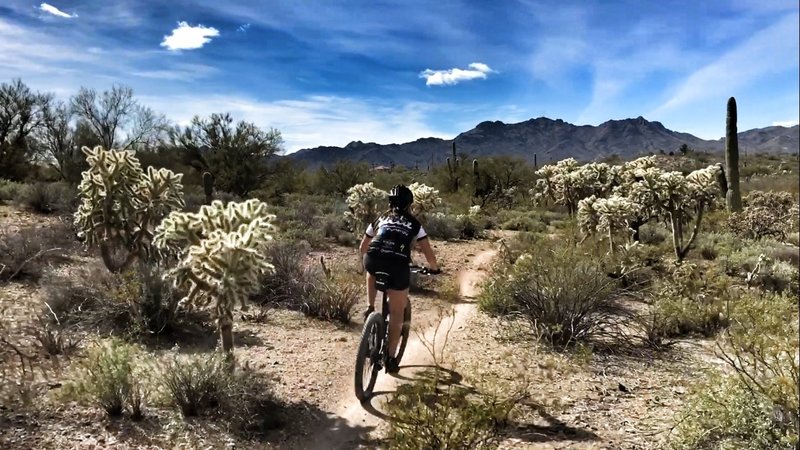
{"x": 369, "y": 311}
{"x": 392, "y": 366}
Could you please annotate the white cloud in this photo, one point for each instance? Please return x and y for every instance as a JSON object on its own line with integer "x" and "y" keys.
{"x": 786, "y": 123}
{"x": 772, "y": 50}
{"x": 313, "y": 121}
{"x": 50, "y": 9}
{"x": 243, "y": 28}
{"x": 187, "y": 37}
{"x": 456, "y": 75}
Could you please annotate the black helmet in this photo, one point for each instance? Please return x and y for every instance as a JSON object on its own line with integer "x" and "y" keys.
{"x": 401, "y": 197}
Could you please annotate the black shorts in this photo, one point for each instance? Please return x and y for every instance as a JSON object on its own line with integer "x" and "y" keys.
{"x": 398, "y": 272}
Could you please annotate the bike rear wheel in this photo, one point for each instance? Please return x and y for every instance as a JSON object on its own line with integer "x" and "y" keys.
{"x": 406, "y": 330}
{"x": 369, "y": 356}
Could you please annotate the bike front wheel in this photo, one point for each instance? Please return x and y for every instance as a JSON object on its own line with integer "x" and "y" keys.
{"x": 369, "y": 356}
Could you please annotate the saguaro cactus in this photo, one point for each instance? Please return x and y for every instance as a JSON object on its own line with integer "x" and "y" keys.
{"x": 453, "y": 164}
{"x": 733, "y": 198}
{"x": 208, "y": 186}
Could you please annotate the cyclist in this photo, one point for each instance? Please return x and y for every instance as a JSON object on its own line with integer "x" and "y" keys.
{"x": 386, "y": 247}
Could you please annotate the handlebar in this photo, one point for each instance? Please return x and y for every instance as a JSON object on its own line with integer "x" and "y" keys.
{"x": 423, "y": 270}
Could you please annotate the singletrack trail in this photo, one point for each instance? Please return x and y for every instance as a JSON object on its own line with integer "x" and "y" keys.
{"x": 357, "y": 419}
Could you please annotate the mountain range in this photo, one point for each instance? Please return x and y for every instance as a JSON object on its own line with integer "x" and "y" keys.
{"x": 549, "y": 140}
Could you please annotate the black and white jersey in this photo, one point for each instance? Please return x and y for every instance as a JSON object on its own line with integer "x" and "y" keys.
{"x": 393, "y": 234}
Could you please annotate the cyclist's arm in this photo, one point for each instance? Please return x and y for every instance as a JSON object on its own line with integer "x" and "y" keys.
{"x": 366, "y": 239}
{"x": 425, "y": 246}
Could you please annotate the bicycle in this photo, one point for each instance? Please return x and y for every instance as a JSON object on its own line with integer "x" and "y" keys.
{"x": 374, "y": 343}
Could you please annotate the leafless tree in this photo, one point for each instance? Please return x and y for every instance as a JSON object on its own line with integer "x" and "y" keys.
{"x": 21, "y": 112}
{"x": 114, "y": 112}
{"x": 56, "y": 142}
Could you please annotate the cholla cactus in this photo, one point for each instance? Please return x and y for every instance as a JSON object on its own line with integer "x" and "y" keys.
{"x": 121, "y": 204}
{"x": 426, "y": 200}
{"x": 567, "y": 182}
{"x": 610, "y": 217}
{"x": 365, "y": 202}
{"x": 677, "y": 199}
{"x": 221, "y": 255}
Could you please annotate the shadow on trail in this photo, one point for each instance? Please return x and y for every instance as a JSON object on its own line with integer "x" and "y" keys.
{"x": 449, "y": 382}
{"x": 553, "y": 430}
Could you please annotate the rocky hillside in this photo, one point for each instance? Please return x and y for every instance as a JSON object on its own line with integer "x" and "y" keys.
{"x": 550, "y": 140}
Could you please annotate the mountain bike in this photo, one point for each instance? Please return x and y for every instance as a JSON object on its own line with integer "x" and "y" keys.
{"x": 373, "y": 349}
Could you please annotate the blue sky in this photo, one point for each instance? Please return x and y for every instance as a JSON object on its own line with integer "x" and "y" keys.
{"x": 330, "y": 72}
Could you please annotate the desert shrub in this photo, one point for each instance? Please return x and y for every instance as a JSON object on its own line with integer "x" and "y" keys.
{"x": 284, "y": 285}
{"x": 521, "y": 221}
{"x": 196, "y": 383}
{"x": 708, "y": 252}
{"x": 563, "y": 293}
{"x": 308, "y": 289}
{"x": 470, "y": 226}
{"x": 51, "y": 336}
{"x": 744, "y": 256}
{"x": 148, "y": 301}
{"x": 430, "y": 415}
{"x": 693, "y": 301}
{"x": 25, "y": 252}
{"x": 48, "y": 198}
{"x": 137, "y": 301}
{"x": 113, "y": 375}
{"x": 754, "y": 405}
{"x": 193, "y": 198}
{"x": 766, "y": 214}
{"x": 76, "y": 297}
{"x": 9, "y": 190}
{"x": 442, "y": 226}
{"x": 652, "y": 235}
{"x": 774, "y": 276}
{"x": 332, "y": 298}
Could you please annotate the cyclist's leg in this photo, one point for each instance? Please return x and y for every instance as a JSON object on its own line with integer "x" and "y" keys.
{"x": 372, "y": 292}
{"x": 397, "y": 306}
{"x": 398, "y": 297}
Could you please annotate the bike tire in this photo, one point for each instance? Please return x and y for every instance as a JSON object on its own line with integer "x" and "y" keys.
{"x": 406, "y": 330}
{"x": 373, "y": 328}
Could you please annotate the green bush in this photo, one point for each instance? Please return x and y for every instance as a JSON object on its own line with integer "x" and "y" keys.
{"x": 755, "y": 405}
{"x": 150, "y": 301}
{"x": 48, "y": 198}
{"x": 442, "y": 227}
{"x": 563, "y": 292}
{"x": 692, "y": 301}
{"x": 196, "y": 383}
{"x": 9, "y": 190}
{"x": 432, "y": 415}
{"x": 308, "y": 289}
{"x": 27, "y": 251}
{"x": 333, "y": 298}
{"x": 521, "y": 221}
{"x": 114, "y": 376}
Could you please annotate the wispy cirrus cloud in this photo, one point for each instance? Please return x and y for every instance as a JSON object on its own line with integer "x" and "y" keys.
{"x": 454, "y": 76}
{"x": 187, "y": 37}
{"x": 771, "y": 50}
{"x": 50, "y": 9}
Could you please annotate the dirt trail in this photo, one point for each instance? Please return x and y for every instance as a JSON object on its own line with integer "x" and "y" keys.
{"x": 356, "y": 419}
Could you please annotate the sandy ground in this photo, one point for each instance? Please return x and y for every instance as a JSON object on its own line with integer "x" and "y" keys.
{"x": 597, "y": 400}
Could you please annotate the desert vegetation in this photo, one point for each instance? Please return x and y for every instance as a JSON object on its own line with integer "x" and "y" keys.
{"x": 154, "y": 289}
